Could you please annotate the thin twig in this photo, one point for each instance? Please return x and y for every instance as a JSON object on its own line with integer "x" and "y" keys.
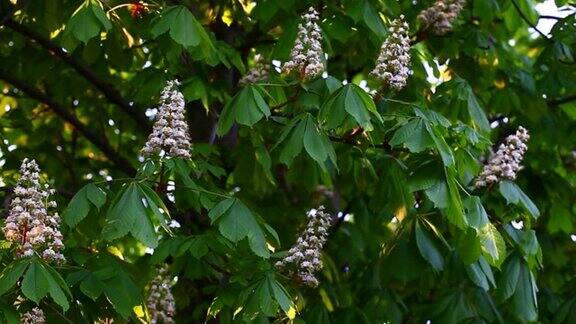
{"x": 527, "y": 20}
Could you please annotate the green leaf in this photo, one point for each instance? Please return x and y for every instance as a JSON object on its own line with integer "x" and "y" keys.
{"x": 92, "y": 287}
{"x": 441, "y": 145}
{"x": 156, "y": 208}
{"x": 96, "y": 195}
{"x": 455, "y": 210}
{"x": 294, "y": 143}
{"x": 282, "y": 297}
{"x": 35, "y": 284}
{"x": 313, "y": 142}
{"x": 55, "y": 289}
{"x": 414, "y": 135}
{"x": 524, "y": 300}
{"x": 88, "y": 21}
{"x": 513, "y": 194}
{"x": 481, "y": 274}
{"x": 8, "y": 314}
{"x": 183, "y": 28}
{"x": 129, "y": 215}
{"x": 246, "y": 108}
{"x": 11, "y": 274}
{"x": 493, "y": 245}
{"x": 122, "y": 293}
{"x": 236, "y": 222}
{"x": 349, "y": 100}
{"x": 475, "y": 212}
{"x": 78, "y": 208}
{"x": 469, "y": 246}
{"x": 428, "y": 248}
{"x": 465, "y": 92}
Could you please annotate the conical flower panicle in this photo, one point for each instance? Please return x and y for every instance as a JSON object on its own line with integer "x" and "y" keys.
{"x": 34, "y": 316}
{"x": 307, "y": 55}
{"x": 441, "y": 15}
{"x": 260, "y": 72}
{"x": 305, "y": 255}
{"x": 29, "y": 225}
{"x": 393, "y": 64}
{"x": 505, "y": 163}
{"x": 170, "y": 132}
{"x": 160, "y": 302}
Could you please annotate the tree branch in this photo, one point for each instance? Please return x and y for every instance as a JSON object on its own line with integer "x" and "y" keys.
{"x": 107, "y": 89}
{"x": 100, "y": 142}
{"x": 561, "y": 101}
{"x": 525, "y": 18}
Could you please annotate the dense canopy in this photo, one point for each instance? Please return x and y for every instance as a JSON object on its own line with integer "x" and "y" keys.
{"x": 274, "y": 161}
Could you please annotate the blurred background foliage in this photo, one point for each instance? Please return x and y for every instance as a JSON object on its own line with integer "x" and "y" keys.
{"x": 413, "y": 241}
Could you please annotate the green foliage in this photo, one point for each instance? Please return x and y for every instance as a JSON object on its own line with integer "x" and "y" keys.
{"x": 413, "y": 239}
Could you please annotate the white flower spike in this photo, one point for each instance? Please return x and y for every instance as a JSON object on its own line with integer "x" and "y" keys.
{"x": 258, "y": 73}
{"x": 505, "y": 164}
{"x": 305, "y": 255}
{"x": 29, "y": 223}
{"x": 441, "y": 15}
{"x": 34, "y": 316}
{"x": 393, "y": 64}
{"x": 160, "y": 302}
{"x": 170, "y": 132}
{"x": 307, "y": 55}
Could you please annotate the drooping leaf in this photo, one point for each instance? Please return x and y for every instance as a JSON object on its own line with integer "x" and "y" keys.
{"x": 514, "y": 195}
{"x": 88, "y": 21}
{"x": 428, "y": 248}
{"x": 128, "y": 214}
{"x": 182, "y": 26}
{"x": 236, "y": 222}
{"x": 246, "y": 108}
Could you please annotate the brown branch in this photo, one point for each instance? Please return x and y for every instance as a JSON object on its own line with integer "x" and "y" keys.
{"x": 561, "y": 101}
{"x": 107, "y": 89}
{"x": 100, "y": 142}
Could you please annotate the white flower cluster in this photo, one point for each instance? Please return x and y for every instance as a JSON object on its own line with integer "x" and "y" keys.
{"x": 259, "y": 72}
{"x": 305, "y": 254}
{"x": 29, "y": 224}
{"x": 440, "y": 16}
{"x": 307, "y": 54}
{"x": 505, "y": 164}
{"x": 160, "y": 302}
{"x": 170, "y": 132}
{"x": 34, "y": 316}
{"x": 393, "y": 64}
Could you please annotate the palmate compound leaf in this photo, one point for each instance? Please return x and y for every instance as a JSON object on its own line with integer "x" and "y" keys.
{"x": 348, "y": 101}
{"x": 40, "y": 280}
{"x": 518, "y": 283}
{"x": 236, "y": 222}
{"x": 136, "y": 210}
{"x": 265, "y": 295}
{"x": 79, "y": 206}
{"x": 182, "y": 26}
{"x": 304, "y": 133}
{"x": 88, "y": 21}
{"x": 420, "y": 133}
{"x": 246, "y": 108}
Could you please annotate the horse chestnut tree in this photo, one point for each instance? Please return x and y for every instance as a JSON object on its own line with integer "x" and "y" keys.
{"x": 287, "y": 161}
